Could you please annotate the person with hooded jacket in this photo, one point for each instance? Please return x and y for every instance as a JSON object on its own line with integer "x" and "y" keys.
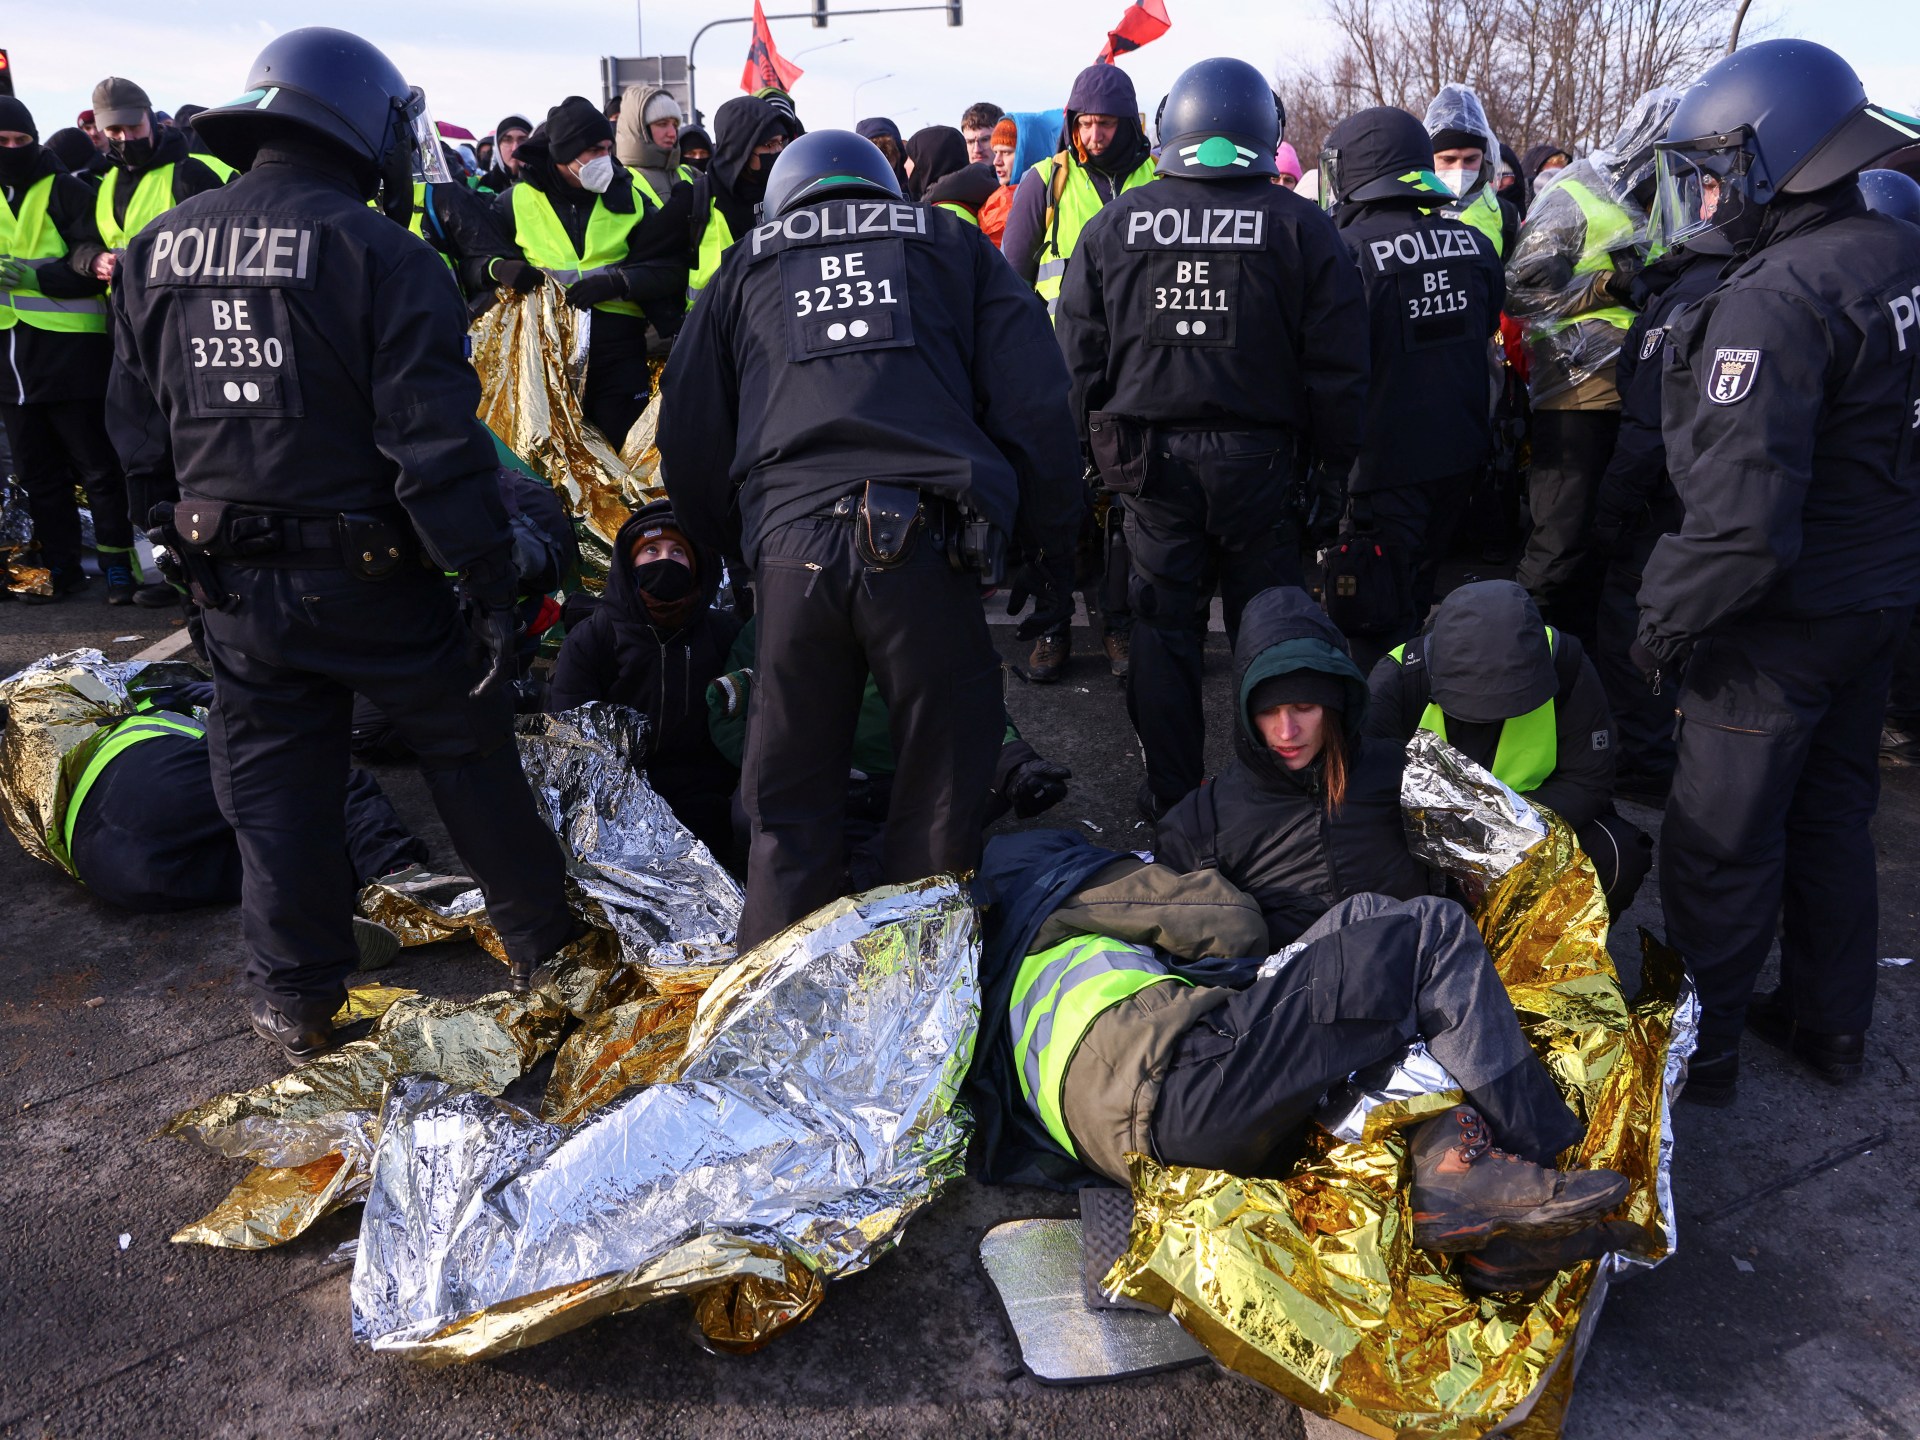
{"x": 647, "y": 138}
{"x": 1522, "y": 700}
{"x": 1570, "y": 285}
{"x": 1434, "y": 291}
{"x": 578, "y": 217}
{"x": 1103, "y": 154}
{"x": 1308, "y": 814}
{"x": 888, "y": 140}
{"x": 54, "y": 385}
{"x": 654, "y": 643}
{"x": 1457, "y": 127}
{"x": 933, "y": 153}
{"x": 508, "y": 136}
{"x": 724, "y": 202}
{"x": 153, "y": 170}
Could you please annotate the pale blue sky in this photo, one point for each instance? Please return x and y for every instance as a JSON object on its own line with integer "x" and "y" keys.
{"x": 483, "y": 59}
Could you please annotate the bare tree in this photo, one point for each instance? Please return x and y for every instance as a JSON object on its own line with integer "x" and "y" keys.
{"x": 1558, "y": 70}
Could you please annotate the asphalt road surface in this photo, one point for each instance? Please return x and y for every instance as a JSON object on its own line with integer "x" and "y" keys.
{"x": 1789, "y": 1314}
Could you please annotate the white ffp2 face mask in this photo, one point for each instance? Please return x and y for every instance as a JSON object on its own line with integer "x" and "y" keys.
{"x": 1461, "y": 180}
{"x": 597, "y": 174}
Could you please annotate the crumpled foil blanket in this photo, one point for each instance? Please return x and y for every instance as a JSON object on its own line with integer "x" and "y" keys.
{"x": 531, "y": 354}
{"x": 1312, "y": 1284}
{"x": 814, "y": 1112}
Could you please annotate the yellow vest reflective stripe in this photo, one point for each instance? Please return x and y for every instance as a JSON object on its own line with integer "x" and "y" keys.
{"x": 218, "y": 166}
{"x": 1079, "y": 202}
{"x": 152, "y": 198}
{"x": 688, "y": 173}
{"x": 714, "y": 240}
{"x": 30, "y": 234}
{"x": 118, "y": 739}
{"x": 1529, "y": 748}
{"x": 543, "y": 240}
{"x": 1057, "y": 995}
{"x": 1483, "y": 214}
{"x": 1608, "y": 226}
{"x": 960, "y": 210}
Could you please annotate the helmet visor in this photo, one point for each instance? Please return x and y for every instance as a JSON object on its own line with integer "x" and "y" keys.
{"x": 423, "y": 140}
{"x": 1701, "y": 185}
{"x": 1329, "y": 178}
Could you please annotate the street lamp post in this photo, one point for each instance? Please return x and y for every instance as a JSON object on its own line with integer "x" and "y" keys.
{"x": 874, "y": 80}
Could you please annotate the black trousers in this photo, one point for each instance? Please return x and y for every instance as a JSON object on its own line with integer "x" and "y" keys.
{"x": 55, "y": 445}
{"x": 1642, "y": 720}
{"x": 288, "y": 658}
{"x": 618, "y": 382}
{"x": 1767, "y": 828}
{"x": 1247, "y": 1077}
{"x": 150, "y": 836}
{"x": 1215, "y": 513}
{"x": 826, "y": 621}
{"x": 1571, "y": 449}
{"x": 1416, "y": 526}
{"x": 1903, "y": 699}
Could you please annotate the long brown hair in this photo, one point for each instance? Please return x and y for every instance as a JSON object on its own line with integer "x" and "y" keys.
{"x": 1333, "y": 757}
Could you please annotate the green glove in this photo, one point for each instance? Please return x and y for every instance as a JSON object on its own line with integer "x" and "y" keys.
{"x": 14, "y": 274}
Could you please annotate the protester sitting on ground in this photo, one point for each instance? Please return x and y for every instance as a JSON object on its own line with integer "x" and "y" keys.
{"x": 1024, "y": 781}
{"x": 653, "y": 643}
{"x": 144, "y": 830}
{"x": 1118, "y": 1018}
{"x": 1524, "y": 701}
{"x": 1309, "y": 812}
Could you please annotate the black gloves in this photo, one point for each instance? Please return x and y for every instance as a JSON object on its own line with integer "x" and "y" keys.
{"x": 516, "y": 275}
{"x": 1326, "y": 504}
{"x": 597, "y": 289}
{"x": 1618, "y": 286}
{"x": 1050, "y": 586}
{"x": 486, "y": 595}
{"x": 1036, "y": 785}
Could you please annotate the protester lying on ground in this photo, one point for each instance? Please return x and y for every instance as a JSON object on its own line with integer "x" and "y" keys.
{"x": 1024, "y": 781}
{"x": 144, "y": 830}
{"x": 1119, "y": 1015}
{"x": 653, "y": 643}
{"x": 1309, "y": 812}
{"x": 1524, "y": 701}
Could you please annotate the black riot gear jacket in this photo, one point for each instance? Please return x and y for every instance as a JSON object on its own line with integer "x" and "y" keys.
{"x": 284, "y": 346}
{"x": 866, "y": 339}
{"x": 1227, "y": 304}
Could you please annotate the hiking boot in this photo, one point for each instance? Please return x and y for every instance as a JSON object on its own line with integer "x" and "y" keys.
{"x": 1119, "y": 654}
{"x": 1510, "y": 1266}
{"x": 301, "y": 1042}
{"x": 1899, "y": 746}
{"x": 156, "y": 595}
{"x": 376, "y": 943}
{"x": 65, "y": 580}
{"x": 1836, "y": 1058}
{"x": 1465, "y": 1192}
{"x": 1712, "y": 1079}
{"x": 119, "y": 582}
{"x": 1048, "y": 662}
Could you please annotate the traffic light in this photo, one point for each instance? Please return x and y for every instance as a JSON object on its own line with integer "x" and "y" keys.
{"x": 953, "y": 13}
{"x": 819, "y": 14}
{"x": 6, "y": 74}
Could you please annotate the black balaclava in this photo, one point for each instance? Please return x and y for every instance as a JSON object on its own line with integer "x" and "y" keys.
{"x": 18, "y": 164}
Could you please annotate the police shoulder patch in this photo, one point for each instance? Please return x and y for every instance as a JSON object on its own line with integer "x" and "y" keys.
{"x": 1731, "y": 377}
{"x": 1652, "y": 341}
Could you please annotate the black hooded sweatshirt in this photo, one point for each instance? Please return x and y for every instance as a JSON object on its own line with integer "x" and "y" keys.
{"x": 618, "y": 655}
{"x": 739, "y": 126}
{"x": 1267, "y": 828}
{"x": 936, "y": 152}
{"x": 44, "y": 366}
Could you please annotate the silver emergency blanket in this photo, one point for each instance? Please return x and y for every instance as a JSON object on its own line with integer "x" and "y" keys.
{"x": 1460, "y": 819}
{"x": 814, "y": 1112}
{"x": 664, "y": 895}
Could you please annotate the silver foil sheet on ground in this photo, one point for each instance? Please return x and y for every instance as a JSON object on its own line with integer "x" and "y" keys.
{"x": 814, "y": 1112}
{"x": 1459, "y": 819}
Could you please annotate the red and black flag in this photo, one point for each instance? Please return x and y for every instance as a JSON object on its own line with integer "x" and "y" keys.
{"x": 1145, "y": 20}
{"x": 765, "y": 65}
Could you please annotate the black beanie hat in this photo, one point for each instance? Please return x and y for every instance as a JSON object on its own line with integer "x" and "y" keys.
{"x": 572, "y": 126}
{"x": 513, "y": 122}
{"x": 1459, "y": 140}
{"x": 1299, "y": 687}
{"x": 15, "y": 116}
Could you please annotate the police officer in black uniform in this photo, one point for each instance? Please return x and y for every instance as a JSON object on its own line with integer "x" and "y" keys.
{"x": 1434, "y": 290}
{"x": 293, "y": 361}
{"x": 1792, "y": 422}
{"x": 1213, "y": 325}
{"x": 862, "y": 400}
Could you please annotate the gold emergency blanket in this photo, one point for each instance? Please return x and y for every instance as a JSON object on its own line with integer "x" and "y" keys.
{"x": 57, "y": 711}
{"x": 1312, "y": 1285}
{"x": 531, "y": 352}
{"x": 21, "y": 572}
{"x": 814, "y": 1112}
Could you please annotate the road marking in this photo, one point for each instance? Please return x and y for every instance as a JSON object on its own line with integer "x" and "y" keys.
{"x": 168, "y": 647}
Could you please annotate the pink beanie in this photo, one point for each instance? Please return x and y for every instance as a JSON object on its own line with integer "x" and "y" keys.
{"x": 1287, "y": 159}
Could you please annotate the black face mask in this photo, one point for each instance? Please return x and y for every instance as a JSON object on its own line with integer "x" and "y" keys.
{"x": 752, "y": 184}
{"x": 134, "y": 154}
{"x": 666, "y": 588}
{"x": 18, "y": 164}
{"x": 698, "y": 162}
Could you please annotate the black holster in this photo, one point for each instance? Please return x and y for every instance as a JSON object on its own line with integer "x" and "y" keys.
{"x": 888, "y": 521}
{"x": 183, "y": 563}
